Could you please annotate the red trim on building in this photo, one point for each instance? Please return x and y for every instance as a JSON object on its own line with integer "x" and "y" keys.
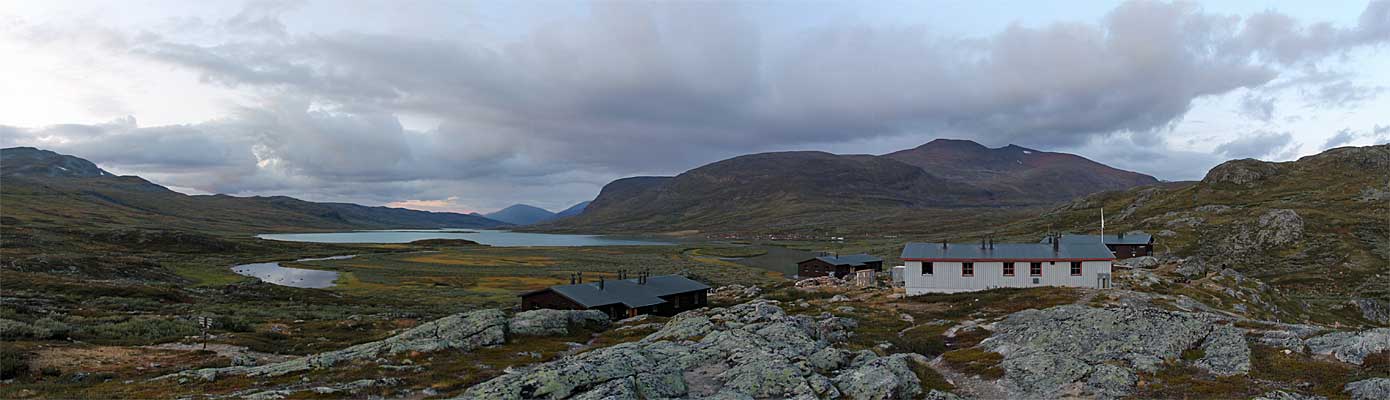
{"x": 1055, "y": 260}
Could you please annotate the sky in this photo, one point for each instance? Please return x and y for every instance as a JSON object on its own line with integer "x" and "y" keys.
{"x": 477, "y": 105}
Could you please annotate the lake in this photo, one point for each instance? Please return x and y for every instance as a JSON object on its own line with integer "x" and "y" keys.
{"x": 488, "y": 237}
{"x": 272, "y": 272}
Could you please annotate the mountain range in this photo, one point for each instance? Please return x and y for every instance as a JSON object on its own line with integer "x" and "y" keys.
{"x": 43, "y": 188}
{"x": 525, "y": 214}
{"x": 760, "y": 190}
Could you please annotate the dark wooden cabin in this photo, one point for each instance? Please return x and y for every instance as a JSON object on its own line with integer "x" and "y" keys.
{"x": 838, "y": 266}
{"x": 1122, "y": 245}
{"x": 664, "y": 295}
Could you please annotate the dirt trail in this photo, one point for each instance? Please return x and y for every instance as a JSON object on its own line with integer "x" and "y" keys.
{"x": 969, "y": 386}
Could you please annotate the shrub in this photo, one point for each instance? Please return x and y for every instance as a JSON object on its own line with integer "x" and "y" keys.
{"x": 139, "y": 331}
{"x": 13, "y": 362}
{"x": 43, "y": 328}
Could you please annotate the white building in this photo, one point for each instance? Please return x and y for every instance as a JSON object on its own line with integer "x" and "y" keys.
{"x": 957, "y": 267}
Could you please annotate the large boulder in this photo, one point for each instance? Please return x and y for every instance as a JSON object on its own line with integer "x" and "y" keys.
{"x": 883, "y": 378}
{"x": 750, "y": 350}
{"x": 1279, "y": 228}
{"x": 1370, "y": 389}
{"x": 1098, "y": 351}
{"x": 1352, "y": 347}
{"x": 545, "y": 322}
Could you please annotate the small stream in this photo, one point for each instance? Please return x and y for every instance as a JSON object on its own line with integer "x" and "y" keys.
{"x": 272, "y": 272}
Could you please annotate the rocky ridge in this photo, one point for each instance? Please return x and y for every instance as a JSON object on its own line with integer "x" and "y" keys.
{"x": 1098, "y": 352}
{"x": 754, "y": 349}
{"x": 465, "y": 331}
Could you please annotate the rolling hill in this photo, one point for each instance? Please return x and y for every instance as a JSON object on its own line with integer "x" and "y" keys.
{"x": 46, "y": 189}
{"x": 1318, "y": 227}
{"x": 817, "y": 190}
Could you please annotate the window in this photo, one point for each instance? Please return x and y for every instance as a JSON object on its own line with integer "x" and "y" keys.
{"x": 927, "y": 268}
{"x": 967, "y": 269}
{"x": 1075, "y": 268}
{"x": 1035, "y": 269}
{"x": 1008, "y": 269}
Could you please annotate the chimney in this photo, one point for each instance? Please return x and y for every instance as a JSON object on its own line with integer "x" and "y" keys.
{"x": 1056, "y": 243}
{"x": 581, "y": 276}
{"x": 600, "y": 282}
{"x": 991, "y": 242}
{"x": 571, "y": 279}
{"x": 943, "y": 244}
{"x": 982, "y": 243}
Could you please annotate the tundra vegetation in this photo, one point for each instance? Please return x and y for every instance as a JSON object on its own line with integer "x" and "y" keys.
{"x": 1271, "y": 280}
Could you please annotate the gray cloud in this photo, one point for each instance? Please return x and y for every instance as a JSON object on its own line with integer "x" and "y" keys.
{"x": 1378, "y": 134}
{"x": 658, "y": 88}
{"x": 1275, "y": 145}
{"x": 1341, "y": 138}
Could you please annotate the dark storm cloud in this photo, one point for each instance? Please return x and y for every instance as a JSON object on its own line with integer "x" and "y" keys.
{"x": 656, "y": 88}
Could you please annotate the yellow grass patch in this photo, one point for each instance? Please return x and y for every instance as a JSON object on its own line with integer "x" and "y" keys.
{"x": 481, "y": 260}
{"x": 520, "y": 283}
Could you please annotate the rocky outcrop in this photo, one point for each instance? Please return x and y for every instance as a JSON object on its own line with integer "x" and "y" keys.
{"x": 465, "y": 331}
{"x": 1247, "y": 173}
{"x": 546, "y": 322}
{"x": 882, "y": 378}
{"x": 753, "y": 349}
{"x": 1097, "y": 352}
{"x": 1140, "y": 262}
{"x": 1370, "y": 389}
{"x": 1278, "y": 228}
{"x": 1374, "y": 310}
{"x": 1351, "y": 347}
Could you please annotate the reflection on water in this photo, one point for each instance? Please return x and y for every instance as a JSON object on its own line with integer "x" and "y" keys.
{"x": 272, "y": 272}
{"x": 487, "y": 237}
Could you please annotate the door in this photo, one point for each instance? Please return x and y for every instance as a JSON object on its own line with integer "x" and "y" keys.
{"x": 1103, "y": 281}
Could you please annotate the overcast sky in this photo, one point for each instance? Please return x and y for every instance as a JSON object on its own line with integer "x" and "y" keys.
{"x": 467, "y": 106}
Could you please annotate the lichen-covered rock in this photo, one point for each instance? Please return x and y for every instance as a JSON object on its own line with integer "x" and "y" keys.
{"x": 753, "y": 349}
{"x": 1283, "y": 395}
{"x": 1225, "y": 352}
{"x": 465, "y": 331}
{"x": 829, "y": 358}
{"x": 1370, "y": 389}
{"x": 1096, "y": 351}
{"x": 1192, "y": 267}
{"x": 1278, "y": 228}
{"x": 1352, "y": 347}
{"x": 888, "y": 377}
{"x": 546, "y": 322}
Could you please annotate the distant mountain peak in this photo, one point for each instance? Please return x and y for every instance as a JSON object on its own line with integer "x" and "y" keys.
{"x": 521, "y": 214}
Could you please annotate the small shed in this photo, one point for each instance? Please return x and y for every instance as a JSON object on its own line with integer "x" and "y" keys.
{"x": 837, "y": 265}
{"x": 1123, "y": 245}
